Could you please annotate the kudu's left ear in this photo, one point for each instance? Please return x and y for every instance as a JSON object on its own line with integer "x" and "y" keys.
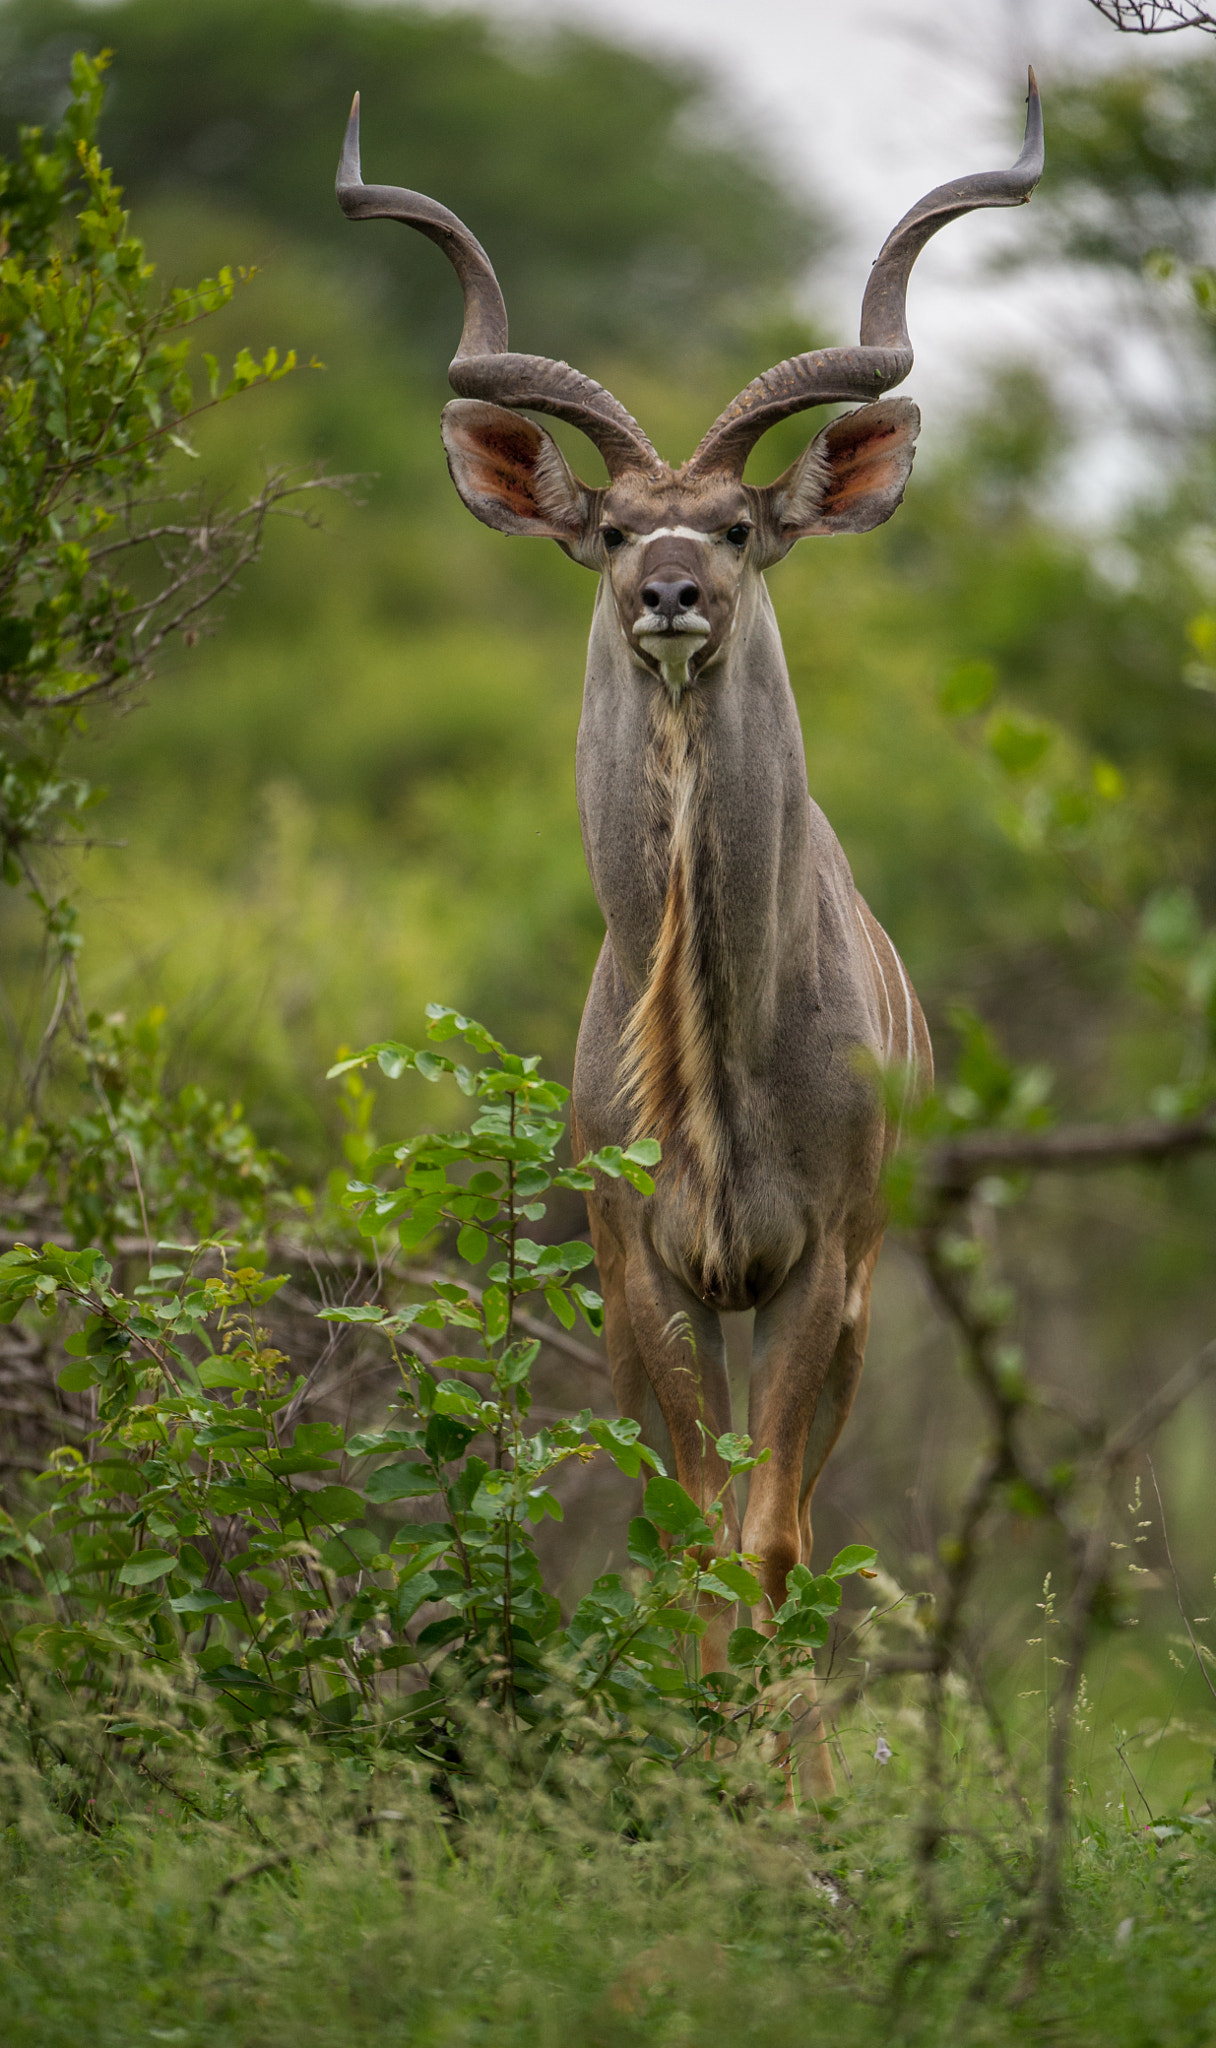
{"x": 513, "y": 475}
{"x": 851, "y": 477}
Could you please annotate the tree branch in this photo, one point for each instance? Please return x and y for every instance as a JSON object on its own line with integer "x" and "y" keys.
{"x": 955, "y": 1166}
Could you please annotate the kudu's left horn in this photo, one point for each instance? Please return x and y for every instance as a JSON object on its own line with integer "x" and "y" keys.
{"x": 483, "y": 367}
{"x": 884, "y": 357}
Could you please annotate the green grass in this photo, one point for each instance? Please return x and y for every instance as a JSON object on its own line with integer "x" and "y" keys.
{"x": 533, "y": 1918}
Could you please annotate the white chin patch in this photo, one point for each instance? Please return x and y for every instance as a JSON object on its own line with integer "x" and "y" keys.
{"x": 672, "y": 650}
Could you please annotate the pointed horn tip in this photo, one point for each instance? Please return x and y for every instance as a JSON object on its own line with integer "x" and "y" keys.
{"x": 1032, "y": 147}
{"x": 350, "y": 172}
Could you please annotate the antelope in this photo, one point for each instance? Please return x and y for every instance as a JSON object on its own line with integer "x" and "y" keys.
{"x": 745, "y": 994}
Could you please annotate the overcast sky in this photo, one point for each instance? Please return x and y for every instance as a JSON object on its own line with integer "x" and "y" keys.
{"x": 870, "y": 103}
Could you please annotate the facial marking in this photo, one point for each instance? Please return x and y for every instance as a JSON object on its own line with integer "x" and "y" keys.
{"x": 676, "y": 587}
{"x": 673, "y": 533}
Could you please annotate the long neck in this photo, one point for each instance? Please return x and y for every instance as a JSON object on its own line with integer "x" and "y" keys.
{"x": 698, "y": 833}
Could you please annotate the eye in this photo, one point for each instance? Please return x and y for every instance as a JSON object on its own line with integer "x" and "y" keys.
{"x": 612, "y": 537}
{"x": 737, "y": 535}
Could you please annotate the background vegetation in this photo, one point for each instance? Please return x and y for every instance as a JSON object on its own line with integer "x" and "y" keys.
{"x": 360, "y": 796}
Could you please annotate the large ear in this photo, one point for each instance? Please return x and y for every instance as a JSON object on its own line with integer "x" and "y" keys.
{"x": 852, "y": 476}
{"x": 511, "y": 474}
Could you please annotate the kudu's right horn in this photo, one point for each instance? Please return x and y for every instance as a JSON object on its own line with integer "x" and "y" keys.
{"x": 483, "y": 367}
{"x": 884, "y": 357}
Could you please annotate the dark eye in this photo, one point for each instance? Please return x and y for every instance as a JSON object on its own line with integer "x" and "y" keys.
{"x": 612, "y": 537}
{"x": 737, "y": 535}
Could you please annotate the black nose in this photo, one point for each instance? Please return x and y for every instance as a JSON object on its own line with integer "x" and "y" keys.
{"x": 667, "y": 599}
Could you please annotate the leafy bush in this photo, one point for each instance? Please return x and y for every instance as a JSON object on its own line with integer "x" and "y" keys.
{"x": 209, "y": 1566}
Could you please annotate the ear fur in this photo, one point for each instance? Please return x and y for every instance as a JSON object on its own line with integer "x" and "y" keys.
{"x": 852, "y": 476}
{"x": 511, "y": 474}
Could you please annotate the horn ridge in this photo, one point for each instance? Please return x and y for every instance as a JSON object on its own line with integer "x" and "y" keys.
{"x": 884, "y": 355}
{"x": 482, "y": 366}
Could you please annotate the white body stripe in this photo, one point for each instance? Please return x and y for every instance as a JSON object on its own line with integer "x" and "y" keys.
{"x": 882, "y": 981}
{"x": 910, "y": 1054}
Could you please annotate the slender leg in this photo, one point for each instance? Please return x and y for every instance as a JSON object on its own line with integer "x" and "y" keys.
{"x": 805, "y": 1372}
{"x": 668, "y": 1364}
{"x": 839, "y": 1391}
{"x": 796, "y": 1337}
{"x": 631, "y": 1385}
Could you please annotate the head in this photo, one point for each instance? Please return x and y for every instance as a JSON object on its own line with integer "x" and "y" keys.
{"x": 676, "y": 548}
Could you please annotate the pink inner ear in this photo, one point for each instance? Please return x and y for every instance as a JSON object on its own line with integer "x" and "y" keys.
{"x": 872, "y": 464}
{"x": 498, "y": 462}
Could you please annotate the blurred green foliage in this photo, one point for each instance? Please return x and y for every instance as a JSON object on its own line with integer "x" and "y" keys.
{"x": 617, "y": 212}
{"x": 1132, "y": 163}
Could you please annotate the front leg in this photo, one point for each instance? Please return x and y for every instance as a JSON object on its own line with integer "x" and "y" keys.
{"x": 795, "y": 1341}
{"x": 668, "y": 1363}
{"x": 805, "y": 1365}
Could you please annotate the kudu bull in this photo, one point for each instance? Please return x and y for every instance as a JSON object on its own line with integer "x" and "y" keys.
{"x": 744, "y": 988}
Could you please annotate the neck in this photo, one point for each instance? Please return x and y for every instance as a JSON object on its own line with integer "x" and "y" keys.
{"x": 697, "y": 830}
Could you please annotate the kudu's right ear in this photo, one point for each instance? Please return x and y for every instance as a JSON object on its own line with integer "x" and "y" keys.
{"x": 513, "y": 475}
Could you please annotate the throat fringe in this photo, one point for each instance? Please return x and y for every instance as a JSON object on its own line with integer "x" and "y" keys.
{"x": 672, "y": 1063}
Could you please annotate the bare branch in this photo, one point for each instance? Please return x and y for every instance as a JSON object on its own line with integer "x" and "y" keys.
{"x": 1159, "y": 1407}
{"x": 1155, "y": 17}
{"x": 958, "y": 1164}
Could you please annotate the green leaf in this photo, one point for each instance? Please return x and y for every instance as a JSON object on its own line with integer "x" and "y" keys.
{"x": 403, "y": 1481}
{"x": 145, "y": 1566}
{"x": 413, "y": 1595}
{"x": 494, "y": 1309}
{"x": 966, "y": 689}
{"x": 561, "y": 1305}
{"x": 452, "y": 1397}
{"x": 746, "y": 1647}
{"x": 644, "y": 1545}
{"x": 637, "y": 1177}
{"x": 620, "y": 1436}
{"x": 199, "y": 1602}
{"x": 856, "y": 1557}
{"x": 472, "y": 1244}
{"x": 1019, "y": 744}
{"x": 447, "y": 1023}
{"x": 591, "y": 1304}
{"x": 739, "y": 1582}
{"x": 350, "y": 1550}
{"x": 670, "y": 1507}
{"x": 517, "y": 1361}
{"x": 644, "y": 1152}
{"x": 326, "y": 1503}
{"x": 75, "y": 1378}
{"x": 575, "y": 1255}
{"x": 226, "y": 1372}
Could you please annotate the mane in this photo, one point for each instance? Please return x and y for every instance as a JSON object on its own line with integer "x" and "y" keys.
{"x": 672, "y": 1062}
